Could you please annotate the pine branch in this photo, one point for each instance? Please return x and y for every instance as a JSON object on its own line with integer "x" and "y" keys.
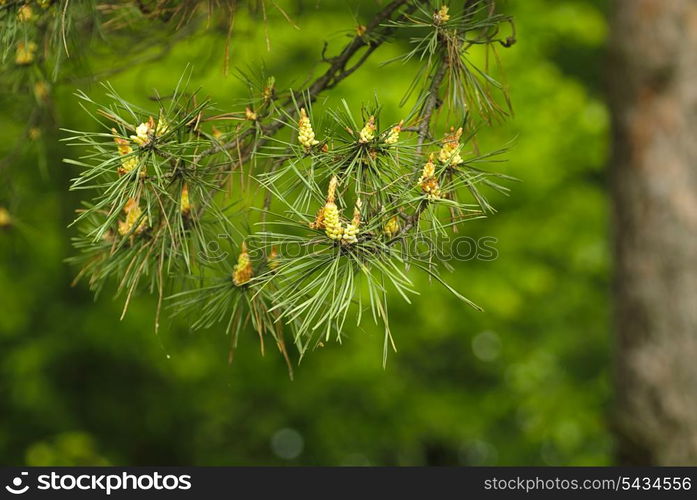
{"x": 376, "y": 33}
{"x": 341, "y": 198}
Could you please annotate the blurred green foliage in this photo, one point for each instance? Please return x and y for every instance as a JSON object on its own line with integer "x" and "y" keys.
{"x": 525, "y": 382}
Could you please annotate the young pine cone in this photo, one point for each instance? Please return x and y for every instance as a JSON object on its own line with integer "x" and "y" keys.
{"x": 242, "y": 272}
{"x": 306, "y": 136}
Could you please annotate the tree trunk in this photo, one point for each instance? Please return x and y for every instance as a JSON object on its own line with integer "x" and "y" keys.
{"x": 653, "y": 82}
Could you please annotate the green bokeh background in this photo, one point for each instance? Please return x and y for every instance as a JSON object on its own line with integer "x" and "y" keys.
{"x": 525, "y": 382}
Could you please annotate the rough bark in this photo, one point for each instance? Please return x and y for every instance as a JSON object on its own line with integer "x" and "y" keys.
{"x": 653, "y": 82}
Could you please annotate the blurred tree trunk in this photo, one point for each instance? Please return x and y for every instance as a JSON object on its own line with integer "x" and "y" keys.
{"x": 653, "y": 81}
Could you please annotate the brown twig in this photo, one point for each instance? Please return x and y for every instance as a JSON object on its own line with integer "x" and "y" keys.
{"x": 430, "y": 105}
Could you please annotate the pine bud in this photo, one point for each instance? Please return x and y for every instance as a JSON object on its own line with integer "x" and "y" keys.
{"x": 351, "y": 231}
{"x": 349, "y": 236}
{"x": 249, "y": 114}
{"x": 5, "y": 218}
{"x": 268, "y": 92}
{"x": 25, "y": 14}
{"x": 331, "y": 189}
{"x": 128, "y": 164}
{"x": 41, "y": 91}
{"x": 124, "y": 147}
{"x": 393, "y": 136}
{"x": 272, "y": 259}
{"x": 162, "y": 126}
{"x": 441, "y": 15}
{"x": 144, "y": 132}
{"x": 242, "y": 272}
{"x": 306, "y": 136}
{"x": 450, "y": 151}
{"x": 318, "y": 223}
{"x": 25, "y": 53}
{"x": 428, "y": 181}
{"x": 391, "y": 227}
{"x": 133, "y": 214}
{"x": 367, "y": 134}
{"x": 185, "y": 203}
{"x": 332, "y": 224}
{"x": 360, "y": 30}
{"x": 122, "y": 144}
{"x": 357, "y": 213}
